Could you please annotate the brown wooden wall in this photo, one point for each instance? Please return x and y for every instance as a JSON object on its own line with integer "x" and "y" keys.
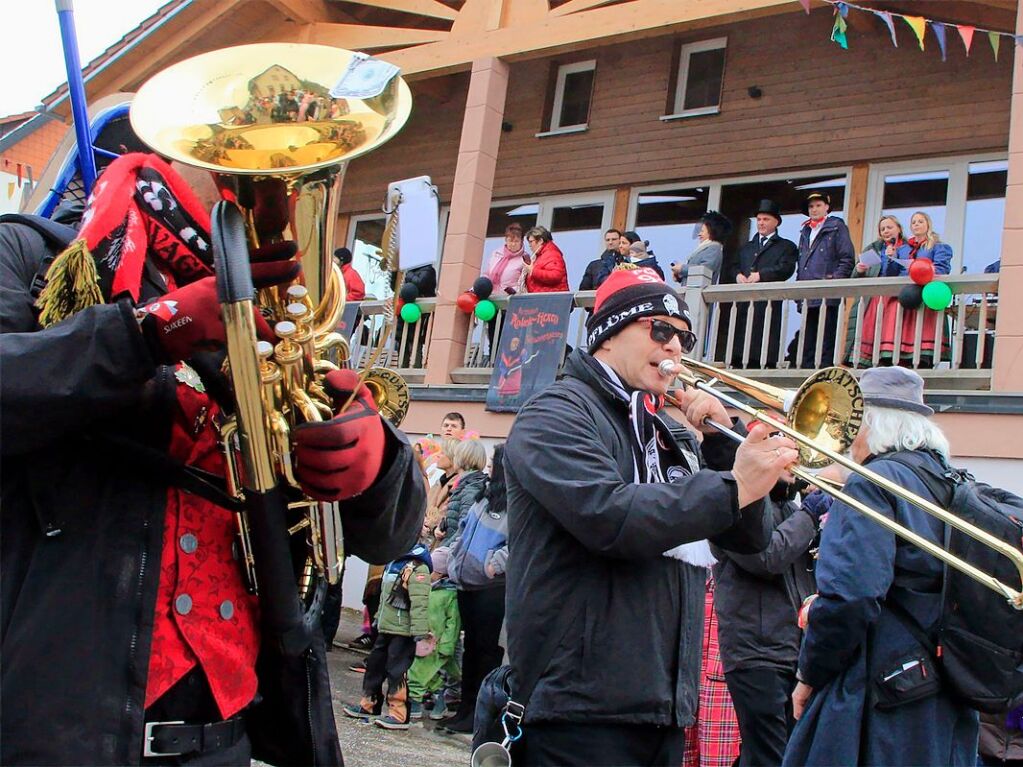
{"x": 821, "y": 106}
{"x": 426, "y": 146}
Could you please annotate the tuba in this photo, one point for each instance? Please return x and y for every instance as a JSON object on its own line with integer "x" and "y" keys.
{"x": 276, "y": 124}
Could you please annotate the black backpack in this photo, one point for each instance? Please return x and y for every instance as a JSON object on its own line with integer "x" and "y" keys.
{"x": 978, "y": 639}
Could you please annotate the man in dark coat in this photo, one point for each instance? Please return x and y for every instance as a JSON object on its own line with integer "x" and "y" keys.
{"x": 767, "y": 257}
{"x": 757, "y": 600}
{"x": 825, "y": 253}
{"x": 865, "y": 695}
{"x": 126, "y": 624}
{"x": 600, "y": 268}
{"x": 600, "y": 486}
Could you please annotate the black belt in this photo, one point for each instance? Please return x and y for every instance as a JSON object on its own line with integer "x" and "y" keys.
{"x": 177, "y": 738}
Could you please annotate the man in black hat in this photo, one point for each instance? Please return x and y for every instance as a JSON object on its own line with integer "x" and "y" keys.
{"x": 825, "y": 253}
{"x": 767, "y": 257}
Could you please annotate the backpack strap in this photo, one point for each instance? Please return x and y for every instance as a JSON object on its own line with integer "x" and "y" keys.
{"x": 942, "y": 487}
{"x": 57, "y": 238}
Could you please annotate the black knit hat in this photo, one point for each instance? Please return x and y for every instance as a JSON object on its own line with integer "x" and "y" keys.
{"x": 627, "y": 295}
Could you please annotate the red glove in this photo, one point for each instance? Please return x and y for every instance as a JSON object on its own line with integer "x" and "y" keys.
{"x": 341, "y": 458}
{"x": 187, "y": 320}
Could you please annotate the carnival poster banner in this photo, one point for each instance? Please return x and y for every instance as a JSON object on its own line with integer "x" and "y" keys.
{"x": 531, "y": 348}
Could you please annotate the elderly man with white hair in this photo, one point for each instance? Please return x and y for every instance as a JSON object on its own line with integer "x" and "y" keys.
{"x": 868, "y": 692}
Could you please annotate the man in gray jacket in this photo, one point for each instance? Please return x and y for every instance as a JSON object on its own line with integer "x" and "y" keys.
{"x": 601, "y": 485}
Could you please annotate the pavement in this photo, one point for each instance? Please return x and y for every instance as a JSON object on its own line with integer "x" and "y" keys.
{"x": 366, "y": 745}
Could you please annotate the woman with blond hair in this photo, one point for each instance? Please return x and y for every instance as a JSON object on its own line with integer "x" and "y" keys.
{"x": 470, "y": 461}
{"x": 897, "y": 254}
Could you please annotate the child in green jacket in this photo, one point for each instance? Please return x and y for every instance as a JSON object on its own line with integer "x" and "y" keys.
{"x": 428, "y": 673}
{"x": 401, "y": 623}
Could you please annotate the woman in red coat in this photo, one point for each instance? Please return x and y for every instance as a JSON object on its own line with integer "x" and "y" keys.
{"x": 547, "y": 273}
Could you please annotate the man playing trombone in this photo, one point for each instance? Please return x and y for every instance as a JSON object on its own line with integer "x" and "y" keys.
{"x": 610, "y": 505}
{"x": 869, "y": 692}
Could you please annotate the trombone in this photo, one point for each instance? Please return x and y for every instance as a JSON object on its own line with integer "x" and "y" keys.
{"x": 823, "y": 416}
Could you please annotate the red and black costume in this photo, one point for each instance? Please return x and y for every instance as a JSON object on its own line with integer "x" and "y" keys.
{"x": 121, "y": 597}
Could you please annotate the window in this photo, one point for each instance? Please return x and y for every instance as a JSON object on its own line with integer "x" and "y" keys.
{"x": 501, "y": 215}
{"x": 985, "y": 214}
{"x": 366, "y": 251}
{"x": 701, "y": 72}
{"x": 573, "y": 92}
{"x": 907, "y": 193}
{"x": 964, "y": 196}
{"x": 669, "y": 219}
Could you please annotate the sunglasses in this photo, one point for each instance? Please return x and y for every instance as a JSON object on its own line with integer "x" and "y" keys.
{"x": 662, "y": 332}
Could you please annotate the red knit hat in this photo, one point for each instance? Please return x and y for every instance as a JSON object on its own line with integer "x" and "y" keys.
{"x": 627, "y": 295}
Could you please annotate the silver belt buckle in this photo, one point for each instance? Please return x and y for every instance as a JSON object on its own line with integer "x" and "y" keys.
{"x": 147, "y": 743}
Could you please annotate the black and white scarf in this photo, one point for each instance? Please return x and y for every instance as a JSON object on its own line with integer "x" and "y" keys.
{"x": 656, "y": 456}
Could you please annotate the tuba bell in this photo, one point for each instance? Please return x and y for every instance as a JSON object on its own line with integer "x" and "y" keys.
{"x": 277, "y": 124}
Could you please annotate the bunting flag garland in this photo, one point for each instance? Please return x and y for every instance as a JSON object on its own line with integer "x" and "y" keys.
{"x": 838, "y": 32}
{"x": 939, "y": 32}
{"x": 996, "y": 40}
{"x": 918, "y": 24}
{"x": 966, "y": 32}
{"x": 806, "y": 6}
{"x": 887, "y": 19}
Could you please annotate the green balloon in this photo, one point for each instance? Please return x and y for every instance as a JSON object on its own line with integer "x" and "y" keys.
{"x": 937, "y": 295}
{"x": 411, "y": 313}
{"x": 486, "y": 310}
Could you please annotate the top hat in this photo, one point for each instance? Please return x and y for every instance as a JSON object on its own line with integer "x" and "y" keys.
{"x": 771, "y": 208}
{"x": 815, "y": 196}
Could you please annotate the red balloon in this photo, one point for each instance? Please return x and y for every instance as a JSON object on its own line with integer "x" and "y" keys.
{"x": 921, "y": 271}
{"x": 467, "y": 301}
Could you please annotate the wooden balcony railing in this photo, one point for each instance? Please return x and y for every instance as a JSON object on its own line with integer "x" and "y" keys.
{"x": 730, "y": 322}
{"x": 407, "y": 346}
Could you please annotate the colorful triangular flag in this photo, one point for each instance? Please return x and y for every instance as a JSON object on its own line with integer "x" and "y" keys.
{"x": 919, "y": 25}
{"x": 966, "y": 32}
{"x": 843, "y": 10}
{"x": 838, "y": 32}
{"x": 996, "y": 41}
{"x": 887, "y": 19}
{"x": 806, "y": 6}
{"x": 939, "y": 32}
{"x": 10, "y": 189}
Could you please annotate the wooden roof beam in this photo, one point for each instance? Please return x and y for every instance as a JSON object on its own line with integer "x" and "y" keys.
{"x": 430, "y": 8}
{"x": 305, "y": 11}
{"x": 634, "y": 20}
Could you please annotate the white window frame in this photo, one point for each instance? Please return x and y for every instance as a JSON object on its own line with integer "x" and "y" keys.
{"x": 559, "y": 97}
{"x": 685, "y": 54}
{"x": 958, "y": 168}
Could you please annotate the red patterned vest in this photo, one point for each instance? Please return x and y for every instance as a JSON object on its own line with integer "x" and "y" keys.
{"x": 204, "y": 614}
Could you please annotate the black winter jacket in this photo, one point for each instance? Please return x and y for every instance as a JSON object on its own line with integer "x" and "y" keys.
{"x": 470, "y": 489}
{"x": 757, "y": 596}
{"x": 78, "y": 604}
{"x": 775, "y": 262}
{"x": 584, "y": 538}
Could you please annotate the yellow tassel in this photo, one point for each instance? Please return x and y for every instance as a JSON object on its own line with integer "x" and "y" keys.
{"x": 72, "y": 284}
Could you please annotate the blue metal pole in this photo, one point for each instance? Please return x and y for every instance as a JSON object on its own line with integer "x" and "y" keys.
{"x": 76, "y": 90}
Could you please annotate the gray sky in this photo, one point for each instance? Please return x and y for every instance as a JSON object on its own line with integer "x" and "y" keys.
{"x": 34, "y": 62}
